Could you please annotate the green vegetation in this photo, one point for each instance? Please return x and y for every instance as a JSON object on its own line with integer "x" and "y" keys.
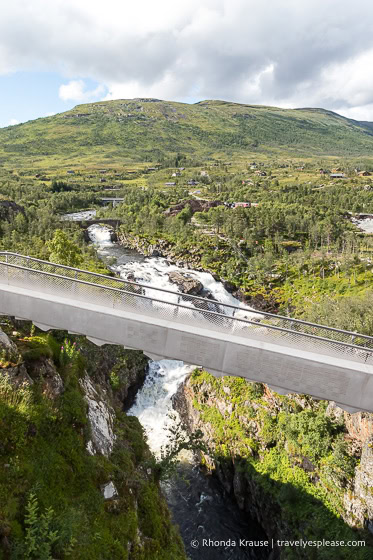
{"x": 294, "y": 250}
{"x": 297, "y": 456}
{"x": 51, "y": 505}
{"x": 151, "y": 130}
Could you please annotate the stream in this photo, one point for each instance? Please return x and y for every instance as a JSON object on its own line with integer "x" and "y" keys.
{"x": 196, "y": 500}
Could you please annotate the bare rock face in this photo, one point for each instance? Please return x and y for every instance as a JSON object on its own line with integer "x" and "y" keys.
{"x": 359, "y": 426}
{"x": 6, "y": 343}
{"x": 16, "y": 372}
{"x": 356, "y": 496}
{"x": 9, "y": 208}
{"x": 358, "y": 499}
{"x": 44, "y": 371}
{"x": 101, "y": 418}
{"x": 18, "y": 375}
{"x": 359, "y": 502}
{"x": 187, "y": 284}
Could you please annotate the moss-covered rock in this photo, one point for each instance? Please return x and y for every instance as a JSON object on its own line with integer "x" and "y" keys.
{"x": 54, "y": 501}
{"x": 287, "y": 460}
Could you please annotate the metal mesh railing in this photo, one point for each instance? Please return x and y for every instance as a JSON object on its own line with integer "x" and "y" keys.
{"x": 239, "y": 321}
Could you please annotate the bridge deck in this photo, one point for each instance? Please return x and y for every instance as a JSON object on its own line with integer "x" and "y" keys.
{"x": 288, "y": 354}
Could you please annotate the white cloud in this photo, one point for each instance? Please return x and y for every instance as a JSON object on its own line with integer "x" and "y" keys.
{"x": 11, "y": 122}
{"x": 75, "y": 91}
{"x": 281, "y": 52}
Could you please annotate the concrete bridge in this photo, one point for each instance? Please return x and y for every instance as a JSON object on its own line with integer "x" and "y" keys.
{"x": 105, "y": 221}
{"x": 287, "y": 354}
{"x": 111, "y": 200}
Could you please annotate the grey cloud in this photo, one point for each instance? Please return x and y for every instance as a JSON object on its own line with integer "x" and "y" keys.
{"x": 216, "y": 52}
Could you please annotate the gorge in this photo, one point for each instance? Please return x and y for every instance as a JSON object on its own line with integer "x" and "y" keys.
{"x": 197, "y": 503}
{"x": 168, "y": 379}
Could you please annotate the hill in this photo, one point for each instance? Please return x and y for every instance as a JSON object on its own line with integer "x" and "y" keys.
{"x": 149, "y": 129}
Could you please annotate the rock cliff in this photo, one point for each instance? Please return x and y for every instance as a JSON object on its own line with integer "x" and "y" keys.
{"x": 302, "y": 468}
{"x": 77, "y": 479}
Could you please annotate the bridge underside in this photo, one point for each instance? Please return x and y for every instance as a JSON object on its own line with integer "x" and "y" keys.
{"x": 284, "y": 369}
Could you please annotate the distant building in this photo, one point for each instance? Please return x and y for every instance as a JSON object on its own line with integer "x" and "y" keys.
{"x": 193, "y": 182}
{"x": 170, "y": 184}
{"x": 324, "y": 171}
{"x": 242, "y": 204}
{"x": 71, "y": 172}
{"x": 337, "y": 176}
{"x": 260, "y": 173}
{"x": 364, "y": 174}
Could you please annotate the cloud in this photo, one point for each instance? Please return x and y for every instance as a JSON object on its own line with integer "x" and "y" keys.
{"x": 280, "y": 52}
{"x": 75, "y": 91}
{"x": 11, "y": 122}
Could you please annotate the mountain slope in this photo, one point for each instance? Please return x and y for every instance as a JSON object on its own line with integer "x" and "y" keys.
{"x": 147, "y": 129}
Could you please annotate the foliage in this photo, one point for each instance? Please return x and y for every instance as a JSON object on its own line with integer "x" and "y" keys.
{"x": 299, "y": 460}
{"x": 39, "y": 536}
{"x": 310, "y": 431}
{"x": 69, "y": 352}
{"x": 174, "y": 133}
{"x": 179, "y": 439}
{"x": 51, "y": 505}
{"x": 63, "y": 251}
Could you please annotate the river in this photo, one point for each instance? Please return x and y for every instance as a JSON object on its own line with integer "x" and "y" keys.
{"x": 196, "y": 500}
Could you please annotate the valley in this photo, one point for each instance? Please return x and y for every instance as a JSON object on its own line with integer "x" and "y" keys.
{"x": 264, "y": 206}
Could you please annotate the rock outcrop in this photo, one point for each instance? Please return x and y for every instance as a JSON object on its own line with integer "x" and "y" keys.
{"x": 190, "y": 258}
{"x": 257, "y": 465}
{"x": 101, "y": 418}
{"x": 9, "y": 208}
{"x": 186, "y": 284}
{"x": 65, "y": 439}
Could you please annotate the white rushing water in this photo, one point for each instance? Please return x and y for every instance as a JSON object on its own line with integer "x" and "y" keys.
{"x": 196, "y": 502}
{"x": 101, "y": 237}
{"x": 153, "y": 402}
{"x": 366, "y": 224}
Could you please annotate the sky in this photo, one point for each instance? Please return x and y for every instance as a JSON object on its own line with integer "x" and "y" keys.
{"x": 55, "y": 54}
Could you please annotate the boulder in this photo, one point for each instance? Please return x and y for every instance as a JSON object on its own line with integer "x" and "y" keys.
{"x": 6, "y": 343}
{"x": 186, "y": 284}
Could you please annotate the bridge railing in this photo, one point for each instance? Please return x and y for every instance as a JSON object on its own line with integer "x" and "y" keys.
{"x": 120, "y": 294}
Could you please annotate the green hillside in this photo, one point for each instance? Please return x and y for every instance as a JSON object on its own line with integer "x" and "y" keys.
{"x": 147, "y": 130}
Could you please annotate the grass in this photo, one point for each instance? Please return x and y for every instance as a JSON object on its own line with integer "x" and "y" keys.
{"x": 50, "y": 485}
{"x": 107, "y": 134}
{"x": 264, "y": 440}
